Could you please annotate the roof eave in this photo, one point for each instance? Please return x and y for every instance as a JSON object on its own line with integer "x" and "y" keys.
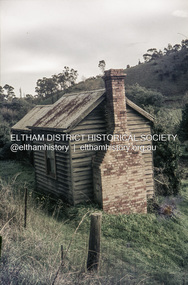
{"x": 140, "y": 110}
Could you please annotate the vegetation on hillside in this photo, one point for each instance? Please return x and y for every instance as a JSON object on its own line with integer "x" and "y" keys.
{"x": 166, "y": 156}
{"x": 183, "y": 129}
{"x": 12, "y": 110}
{"x": 166, "y": 164}
{"x": 153, "y": 53}
{"x": 135, "y": 249}
{"x": 143, "y": 96}
{"x": 49, "y": 87}
{"x": 166, "y": 74}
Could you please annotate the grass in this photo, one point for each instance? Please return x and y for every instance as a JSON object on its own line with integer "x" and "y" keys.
{"x": 148, "y": 75}
{"x": 135, "y": 249}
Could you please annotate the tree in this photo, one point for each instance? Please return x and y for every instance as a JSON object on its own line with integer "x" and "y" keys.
{"x": 30, "y": 98}
{"x": 48, "y": 87}
{"x": 152, "y": 54}
{"x": 4, "y": 133}
{"x": 183, "y": 129}
{"x": 147, "y": 57}
{"x": 20, "y": 90}
{"x": 169, "y": 49}
{"x": 102, "y": 65}
{"x": 2, "y": 95}
{"x": 152, "y": 50}
{"x": 166, "y": 159}
{"x": 184, "y": 44}
{"x": 143, "y": 96}
{"x": 9, "y": 92}
{"x": 157, "y": 54}
{"x": 176, "y": 47}
{"x": 66, "y": 78}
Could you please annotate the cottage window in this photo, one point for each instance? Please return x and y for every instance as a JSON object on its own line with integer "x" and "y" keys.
{"x": 50, "y": 161}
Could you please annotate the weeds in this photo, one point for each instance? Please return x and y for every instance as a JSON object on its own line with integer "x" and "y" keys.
{"x": 135, "y": 249}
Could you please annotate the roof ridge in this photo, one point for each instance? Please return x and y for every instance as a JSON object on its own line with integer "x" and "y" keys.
{"x": 38, "y": 105}
{"x": 83, "y": 92}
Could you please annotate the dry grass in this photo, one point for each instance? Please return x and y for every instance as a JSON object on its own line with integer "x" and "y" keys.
{"x": 32, "y": 255}
{"x": 135, "y": 249}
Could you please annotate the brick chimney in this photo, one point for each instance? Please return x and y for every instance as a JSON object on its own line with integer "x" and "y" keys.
{"x": 115, "y": 95}
{"x": 118, "y": 175}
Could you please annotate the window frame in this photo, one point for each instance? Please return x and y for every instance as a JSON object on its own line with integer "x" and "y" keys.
{"x": 49, "y": 173}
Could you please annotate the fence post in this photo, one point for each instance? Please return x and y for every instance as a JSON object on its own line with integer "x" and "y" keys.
{"x": 62, "y": 256}
{"x": 94, "y": 242}
{"x": 0, "y": 245}
{"x": 25, "y": 210}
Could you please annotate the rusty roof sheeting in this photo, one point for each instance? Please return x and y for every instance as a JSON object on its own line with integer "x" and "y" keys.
{"x": 31, "y": 117}
{"x": 69, "y": 110}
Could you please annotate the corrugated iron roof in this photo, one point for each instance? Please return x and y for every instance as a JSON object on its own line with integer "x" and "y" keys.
{"x": 31, "y": 117}
{"x": 69, "y": 110}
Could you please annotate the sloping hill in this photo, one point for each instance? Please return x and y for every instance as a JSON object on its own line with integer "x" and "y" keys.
{"x": 167, "y": 74}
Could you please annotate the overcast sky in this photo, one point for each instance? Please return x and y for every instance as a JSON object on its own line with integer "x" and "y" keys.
{"x": 40, "y": 37}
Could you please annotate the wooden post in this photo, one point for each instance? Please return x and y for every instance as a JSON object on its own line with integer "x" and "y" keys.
{"x": 94, "y": 242}
{"x": 25, "y": 210}
{"x": 0, "y": 245}
{"x": 62, "y": 264}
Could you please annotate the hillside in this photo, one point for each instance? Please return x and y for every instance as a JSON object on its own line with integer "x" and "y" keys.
{"x": 163, "y": 72}
{"x": 167, "y": 74}
{"x": 49, "y": 245}
{"x": 135, "y": 249}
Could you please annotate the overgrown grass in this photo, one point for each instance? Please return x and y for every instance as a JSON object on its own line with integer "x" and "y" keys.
{"x": 135, "y": 249}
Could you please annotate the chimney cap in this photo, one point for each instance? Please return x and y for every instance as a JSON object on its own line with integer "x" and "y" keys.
{"x": 114, "y": 73}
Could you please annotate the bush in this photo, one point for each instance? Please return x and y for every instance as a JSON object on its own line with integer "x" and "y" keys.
{"x": 6, "y": 153}
{"x": 15, "y": 110}
{"x": 4, "y": 133}
{"x": 143, "y": 96}
{"x": 183, "y": 129}
{"x": 166, "y": 159}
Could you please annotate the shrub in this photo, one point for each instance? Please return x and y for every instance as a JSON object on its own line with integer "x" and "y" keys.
{"x": 143, "y": 96}
{"x": 166, "y": 159}
{"x": 4, "y": 133}
{"x": 183, "y": 129}
{"x": 9, "y": 115}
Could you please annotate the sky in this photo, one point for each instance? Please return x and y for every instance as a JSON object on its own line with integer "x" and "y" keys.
{"x": 40, "y": 37}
